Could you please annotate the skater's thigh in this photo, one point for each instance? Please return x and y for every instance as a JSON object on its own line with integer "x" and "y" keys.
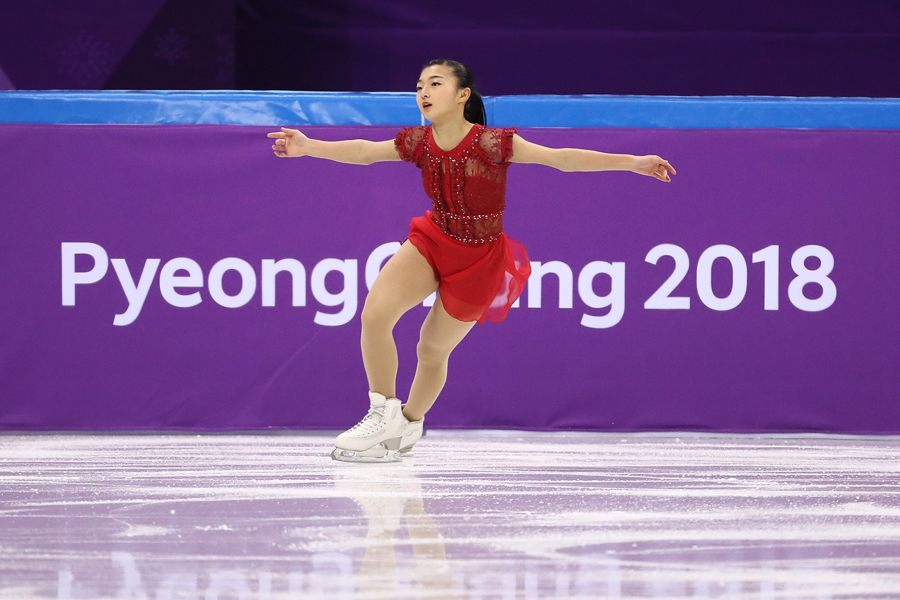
{"x": 405, "y": 281}
{"x": 441, "y": 333}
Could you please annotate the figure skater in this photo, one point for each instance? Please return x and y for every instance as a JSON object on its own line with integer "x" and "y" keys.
{"x": 458, "y": 249}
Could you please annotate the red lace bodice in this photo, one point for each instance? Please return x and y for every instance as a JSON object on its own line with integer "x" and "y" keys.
{"x": 467, "y": 185}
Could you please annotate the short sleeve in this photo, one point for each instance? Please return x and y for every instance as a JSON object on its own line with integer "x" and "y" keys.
{"x": 408, "y": 143}
{"x": 497, "y": 145}
{"x": 507, "y": 144}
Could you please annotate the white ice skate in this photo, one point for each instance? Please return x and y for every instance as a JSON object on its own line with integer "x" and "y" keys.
{"x": 378, "y": 437}
{"x": 411, "y": 435}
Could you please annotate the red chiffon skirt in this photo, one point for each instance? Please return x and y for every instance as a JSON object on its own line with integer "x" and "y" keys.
{"x": 476, "y": 282}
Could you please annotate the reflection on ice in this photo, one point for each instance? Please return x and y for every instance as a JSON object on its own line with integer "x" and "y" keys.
{"x": 387, "y": 495}
{"x": 489, "y": 516}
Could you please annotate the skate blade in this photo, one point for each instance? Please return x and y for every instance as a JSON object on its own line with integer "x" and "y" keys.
{"x": 378, "y": 454}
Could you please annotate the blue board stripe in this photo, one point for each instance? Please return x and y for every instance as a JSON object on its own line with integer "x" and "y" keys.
{"x": 730, "y": 112}
{"x": 335, "y": 108}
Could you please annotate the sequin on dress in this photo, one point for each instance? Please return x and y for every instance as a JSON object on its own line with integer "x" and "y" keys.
{"x": 481, "y": 271}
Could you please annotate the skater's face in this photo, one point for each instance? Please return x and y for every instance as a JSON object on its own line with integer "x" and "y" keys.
{"x": 438, "y": 94}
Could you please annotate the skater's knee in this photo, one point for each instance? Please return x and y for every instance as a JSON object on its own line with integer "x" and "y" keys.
{"x": 376, "y": 316}
{"x": 431, "y": 352}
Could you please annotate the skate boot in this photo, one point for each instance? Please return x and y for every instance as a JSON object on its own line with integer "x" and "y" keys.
{"x": 411, "y": 435}
{"x": 377, "y": 437}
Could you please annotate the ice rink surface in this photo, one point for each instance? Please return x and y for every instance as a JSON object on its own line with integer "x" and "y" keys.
{"x": 472, "y": 515}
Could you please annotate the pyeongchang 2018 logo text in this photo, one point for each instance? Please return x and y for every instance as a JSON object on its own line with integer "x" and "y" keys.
{"x": 810, "y": 289}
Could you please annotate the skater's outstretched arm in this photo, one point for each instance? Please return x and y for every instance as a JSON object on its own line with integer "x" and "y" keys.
{"x": 576, "y": 159}
{"x": 290, "y": 142}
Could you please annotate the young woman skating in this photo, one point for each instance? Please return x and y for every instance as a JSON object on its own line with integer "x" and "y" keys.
{"x": 458, "y": 248}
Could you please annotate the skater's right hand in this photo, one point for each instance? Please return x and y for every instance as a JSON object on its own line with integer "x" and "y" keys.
{"x": 289, "y": 142}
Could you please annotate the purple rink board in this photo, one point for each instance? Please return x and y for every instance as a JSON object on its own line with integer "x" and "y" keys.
{"x": 752, "y": 338}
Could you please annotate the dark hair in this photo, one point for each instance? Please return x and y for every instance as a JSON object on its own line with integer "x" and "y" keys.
{"x": 474, "y": 109}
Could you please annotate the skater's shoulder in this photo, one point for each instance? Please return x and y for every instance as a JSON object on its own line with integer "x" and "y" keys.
{"x": 409, "y": 142}
{"x": 497, "y": 144}
{"x": 415, "y": 131}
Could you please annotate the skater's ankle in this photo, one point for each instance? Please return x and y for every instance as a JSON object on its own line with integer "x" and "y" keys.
{"x": 410, "y": 415}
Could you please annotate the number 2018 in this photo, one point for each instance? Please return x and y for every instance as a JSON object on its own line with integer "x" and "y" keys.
{"x": 662, "y": 298}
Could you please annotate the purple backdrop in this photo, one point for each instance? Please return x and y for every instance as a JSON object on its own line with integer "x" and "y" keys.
{"x": 655, "y": 47}
{"x": 207, "y": 193}
{"x": 695, "y": 47}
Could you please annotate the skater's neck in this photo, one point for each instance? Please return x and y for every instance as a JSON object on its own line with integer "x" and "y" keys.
{"x": 448, "y": 134}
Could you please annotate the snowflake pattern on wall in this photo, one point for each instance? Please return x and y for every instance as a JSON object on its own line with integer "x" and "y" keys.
{"x": 171, "y": 47}
{"x": 85, "y": 59}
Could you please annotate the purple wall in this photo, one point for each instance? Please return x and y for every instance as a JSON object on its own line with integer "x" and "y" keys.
{"x": 107, "y": 44}
{"x": 697, "y": 47}
{"x": 207, "y": 193}
{"x": 743, "y": 47}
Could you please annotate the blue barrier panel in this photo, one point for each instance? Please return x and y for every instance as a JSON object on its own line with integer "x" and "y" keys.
{"x": 209, "y": 108}
{"x": 727, "y": 112}
{"x": 336, "y": 108}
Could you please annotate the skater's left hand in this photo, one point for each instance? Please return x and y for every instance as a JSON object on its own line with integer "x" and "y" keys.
{"x": 653, "y": 166}
{"x": 290, "y": 142}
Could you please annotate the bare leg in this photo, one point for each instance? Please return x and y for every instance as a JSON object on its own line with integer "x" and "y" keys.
{"x": 405, "y": 281}
{"x": 440, "y": 334}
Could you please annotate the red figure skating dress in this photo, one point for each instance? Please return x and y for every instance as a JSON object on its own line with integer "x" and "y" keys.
{"x": 481, "y": 271}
